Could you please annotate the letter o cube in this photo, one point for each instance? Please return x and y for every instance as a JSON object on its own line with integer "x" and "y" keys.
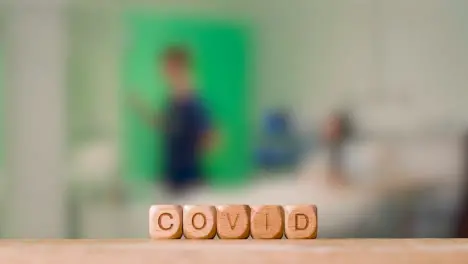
{"x": 165, "y": 221}
{"x": 301, "y": 221}
{"x": 199, "y": 222}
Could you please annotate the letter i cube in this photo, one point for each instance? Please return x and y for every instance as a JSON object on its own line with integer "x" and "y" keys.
{"x": 267, "y": 222}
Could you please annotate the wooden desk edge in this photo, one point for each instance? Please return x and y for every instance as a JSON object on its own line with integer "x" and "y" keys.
{"x": 235, "y": 251}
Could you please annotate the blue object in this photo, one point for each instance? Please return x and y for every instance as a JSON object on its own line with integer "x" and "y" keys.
{"x": 276, "y": 123}
{"x": 278, "y": 148}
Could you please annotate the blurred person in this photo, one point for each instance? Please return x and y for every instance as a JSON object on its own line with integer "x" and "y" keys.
{"x": 185, "y": 124}
{"x": 331, "y": 162}
{"x": 337, "y": 131}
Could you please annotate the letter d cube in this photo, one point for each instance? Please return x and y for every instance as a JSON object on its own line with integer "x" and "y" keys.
{"x": 301, "y": 221}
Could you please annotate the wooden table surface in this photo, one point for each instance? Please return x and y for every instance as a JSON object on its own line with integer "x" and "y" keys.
{"x": 359, "y": 251}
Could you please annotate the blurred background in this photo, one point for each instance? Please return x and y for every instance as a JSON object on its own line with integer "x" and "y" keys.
{"x": 357, "y": 106}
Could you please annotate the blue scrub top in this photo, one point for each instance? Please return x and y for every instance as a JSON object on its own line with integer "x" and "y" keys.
{"x": 186, "y": 122}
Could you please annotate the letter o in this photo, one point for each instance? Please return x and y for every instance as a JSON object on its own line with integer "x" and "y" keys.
{"x": 204, "y": 221}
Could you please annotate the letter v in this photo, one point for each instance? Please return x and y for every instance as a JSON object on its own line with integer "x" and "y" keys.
{"x": 235, "y": 221}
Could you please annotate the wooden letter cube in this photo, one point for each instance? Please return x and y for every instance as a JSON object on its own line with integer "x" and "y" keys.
{"x": 301, "y": 221}
{"x": 199, "y": 221}
{"x": 165, "y": 221}
{"x": 267, "y": 222}
{"x": 233, "y": 221}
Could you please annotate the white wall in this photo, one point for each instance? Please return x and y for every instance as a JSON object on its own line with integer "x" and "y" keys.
{"x": 35, "y": 79}
{"x": 424, "y": 63}
{"x": 314, "y": 55}
{"x": 400, "y": 64}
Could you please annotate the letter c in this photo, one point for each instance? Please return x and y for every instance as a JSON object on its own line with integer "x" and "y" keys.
{"x": 160, "y": 222}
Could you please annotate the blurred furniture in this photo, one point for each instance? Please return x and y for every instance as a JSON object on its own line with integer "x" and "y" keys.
{"x": 398, "y": 189}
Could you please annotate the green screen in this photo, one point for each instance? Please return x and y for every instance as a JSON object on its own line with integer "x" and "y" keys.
{"x": 2, "y": 107}
{"x": 221, "y": 51}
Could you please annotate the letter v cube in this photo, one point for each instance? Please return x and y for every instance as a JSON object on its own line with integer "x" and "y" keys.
{"x": 233, "y": 221}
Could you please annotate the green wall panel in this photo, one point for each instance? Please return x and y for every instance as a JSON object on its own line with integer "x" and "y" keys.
{"x": 222, "y": 51}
